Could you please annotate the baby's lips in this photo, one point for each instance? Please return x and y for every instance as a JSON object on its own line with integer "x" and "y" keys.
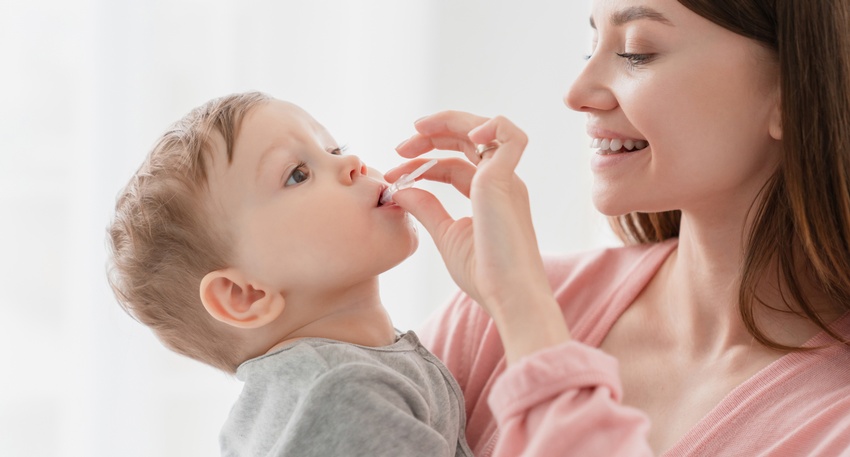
{"x": 381, "y": 191}
{"x": 385, "y": 196}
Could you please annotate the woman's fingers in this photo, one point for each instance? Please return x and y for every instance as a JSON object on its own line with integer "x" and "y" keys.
{"x": 414, "y": 146}
{"x": 509, "y": 142}
{"x": 447, "y": 123}
{"x": 446, "y": 130}
{"x": 427, "y": 210}
{"x": 465, "y": 132}
{"x": 418, "y": 145}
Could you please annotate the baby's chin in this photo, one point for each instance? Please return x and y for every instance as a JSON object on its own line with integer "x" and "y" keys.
{"x": 412, "y": 246}
{"x": 414, "y": 243}
{"x": 412, "y": 235}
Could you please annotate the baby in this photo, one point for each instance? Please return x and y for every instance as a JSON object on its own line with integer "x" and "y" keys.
{"x": 248, "y": 241}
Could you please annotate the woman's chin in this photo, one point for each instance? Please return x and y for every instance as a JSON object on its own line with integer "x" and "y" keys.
{"x": 610, "y": 206}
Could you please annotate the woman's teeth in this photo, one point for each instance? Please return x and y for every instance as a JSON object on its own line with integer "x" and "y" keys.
{"x": 610, "y": 146}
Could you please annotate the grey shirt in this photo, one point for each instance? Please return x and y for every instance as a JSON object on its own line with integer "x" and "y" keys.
{"x": 320, "y": 397}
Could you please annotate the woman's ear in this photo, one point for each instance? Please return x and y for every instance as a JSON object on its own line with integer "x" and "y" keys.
{"x": 775, "y": 126}
{"x": 231, "y": 299}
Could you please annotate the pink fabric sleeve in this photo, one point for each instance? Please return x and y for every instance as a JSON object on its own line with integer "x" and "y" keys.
{"x": 466, "y": 340}
{"x": 563, "y": 401}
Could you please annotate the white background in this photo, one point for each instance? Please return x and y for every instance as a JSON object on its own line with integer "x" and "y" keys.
{"x": 87, "y": 85}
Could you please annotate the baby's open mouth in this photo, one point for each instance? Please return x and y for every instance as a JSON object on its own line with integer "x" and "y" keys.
{"x": 387, "y": 202}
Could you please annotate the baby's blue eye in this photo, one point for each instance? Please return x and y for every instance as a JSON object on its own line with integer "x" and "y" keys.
{"x": 298, "y": 175}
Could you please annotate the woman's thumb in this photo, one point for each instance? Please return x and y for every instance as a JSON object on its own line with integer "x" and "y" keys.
{"x": 425, "y": 207}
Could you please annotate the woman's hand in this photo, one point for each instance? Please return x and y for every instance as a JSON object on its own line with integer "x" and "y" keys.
{"x": 493, "y": 255}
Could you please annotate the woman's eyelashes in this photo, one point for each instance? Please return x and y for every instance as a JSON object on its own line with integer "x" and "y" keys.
{"x": 635, "y": 59}
{"x": 632, "y": 59}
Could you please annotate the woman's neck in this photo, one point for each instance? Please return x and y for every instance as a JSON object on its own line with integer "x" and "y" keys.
{"x": 701, "y": 282}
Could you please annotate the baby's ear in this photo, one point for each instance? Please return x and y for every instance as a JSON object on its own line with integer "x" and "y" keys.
{"x": 231, "y": 299}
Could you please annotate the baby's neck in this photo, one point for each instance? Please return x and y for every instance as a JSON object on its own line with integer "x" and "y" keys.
{"x": 370, "y": 327}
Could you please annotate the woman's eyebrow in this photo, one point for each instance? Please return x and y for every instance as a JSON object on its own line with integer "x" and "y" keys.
{"x": 634, "y": 13}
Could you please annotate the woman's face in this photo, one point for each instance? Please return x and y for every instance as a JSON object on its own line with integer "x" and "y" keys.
{"x": 702, "y": 99}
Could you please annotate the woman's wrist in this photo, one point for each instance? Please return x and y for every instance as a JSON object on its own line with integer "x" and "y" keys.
{"x": 531, "y": 326}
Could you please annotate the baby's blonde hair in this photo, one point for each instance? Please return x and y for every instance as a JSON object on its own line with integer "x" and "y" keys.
{"x": 163, "y": 241}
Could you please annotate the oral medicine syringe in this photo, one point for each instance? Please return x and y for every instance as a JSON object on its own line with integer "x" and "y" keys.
{"x": 405, "y": 181}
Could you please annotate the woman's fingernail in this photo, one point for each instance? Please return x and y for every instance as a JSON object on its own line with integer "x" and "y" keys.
{"x": 417, "y": 120}
{"x": 401, "y": 144}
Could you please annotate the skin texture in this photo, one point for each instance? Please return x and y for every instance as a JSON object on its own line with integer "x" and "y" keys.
{"x": 308, "y": 235}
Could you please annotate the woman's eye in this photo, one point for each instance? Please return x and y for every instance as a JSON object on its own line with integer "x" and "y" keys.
{"x": 298, "y": 175}
{"x": 634, "y": 59}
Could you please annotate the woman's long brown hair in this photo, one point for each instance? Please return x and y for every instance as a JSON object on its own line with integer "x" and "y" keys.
{"x": 802, "y": 220}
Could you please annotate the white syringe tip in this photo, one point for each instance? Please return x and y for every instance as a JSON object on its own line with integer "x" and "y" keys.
{"x": 405, "y": 181}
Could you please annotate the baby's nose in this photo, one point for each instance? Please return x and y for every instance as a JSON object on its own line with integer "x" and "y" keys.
{"x": 354, "y": 167}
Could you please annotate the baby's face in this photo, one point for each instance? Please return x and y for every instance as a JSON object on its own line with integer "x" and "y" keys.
{"x": 304, "y": 216}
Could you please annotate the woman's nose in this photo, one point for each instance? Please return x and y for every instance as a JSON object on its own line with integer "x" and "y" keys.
{"x": 591, "y": 90}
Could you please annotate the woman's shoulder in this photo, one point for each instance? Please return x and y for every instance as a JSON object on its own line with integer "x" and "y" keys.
{"x": 589, "y": 272}
{"x": 595, "y": 287}
{"x": 602, "y": 266}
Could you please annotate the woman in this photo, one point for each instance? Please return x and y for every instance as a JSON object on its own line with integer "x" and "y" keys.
{"x": 723, "y": 136}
